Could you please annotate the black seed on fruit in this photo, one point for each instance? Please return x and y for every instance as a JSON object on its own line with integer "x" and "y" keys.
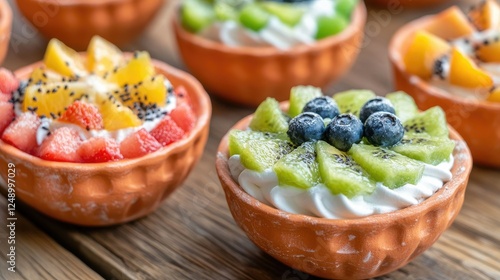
{"x": 65, "y": 87}
{"x": 39, "y": 90}
{"x": 53, "y": 115}
{"x": 67, "y": 63}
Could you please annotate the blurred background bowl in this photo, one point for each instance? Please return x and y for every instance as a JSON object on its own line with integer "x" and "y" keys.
{"x": 247, "y": 75}
{"x": 5, "y": 28}
{"x": 75, "y": 21}
{"x": 477, "y": 121}
{"x": 407, "y": 3}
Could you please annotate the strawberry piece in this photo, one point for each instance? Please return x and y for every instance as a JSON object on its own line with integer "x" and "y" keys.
{"x": 6, "y": 115}
{"x": 167, "y": 131}
{"x": 83, "y": 114}
{"x": 138, "y": 144}
{"x": 21, "y": 133}
{"x": 182, "y": 96}
{"x": 8, "y": 82}
{"x": 184, "y": 117}
{"x": 99, "y": 149}
{"x": 5, "y": 97}
{"x": 61, "y": 145}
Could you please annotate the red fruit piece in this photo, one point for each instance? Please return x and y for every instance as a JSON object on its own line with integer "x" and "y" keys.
{"x": 181, "y": 95}
{"x": 167, "y": 131}
{"x": 21, "y": 133}
{"x": 83, "y": 114}
{"x": 61, "y": 145}
{"x": 184, "y": 117}
{"x": 4, "y": 97}
{"x": 99, "y": 149}
{"x": 138, "y": 144}
{"x": 8, "y": 82}
{"x": 6, "y": 115}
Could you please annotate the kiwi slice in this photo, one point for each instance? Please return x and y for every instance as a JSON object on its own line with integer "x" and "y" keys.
{"x": 260, "y": 155}
{"x": 403, "y": 104}
{"x": 299, "y": 96}
{"x": 392, "y": 169}
{"x": 431, "y": 150}
{"x": 224, "y": 11}
{"x": 351, "y": 101}
{"x": 330, "y": 25}
{"x": 269, "y": 118}
{"x": 288, "y": 13}
{"x": 196, "y": 15}
{"x": 254, "y": 17}
{"x": 340, "y": 173}
{"x": 238, "y": 138}
{"x": 346, "y": 7}
{"x": 299, "y": 168}
{"x": 431, "y": 122}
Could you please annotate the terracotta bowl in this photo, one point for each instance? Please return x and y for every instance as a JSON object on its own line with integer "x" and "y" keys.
{"x": 347, "y": 249}
{"x": 5, "y": 28}
{"x": 247, "y": 75}
{"x": 407, "y": 3}
{"x": 110, "y": 193}
{"x": 75, "y": 21}
{"x": 477, "y": 121}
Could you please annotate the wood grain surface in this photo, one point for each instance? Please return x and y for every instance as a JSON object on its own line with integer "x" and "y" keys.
{"x": 193, "y": 236}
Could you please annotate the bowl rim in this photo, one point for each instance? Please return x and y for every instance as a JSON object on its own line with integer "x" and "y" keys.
{"x": 356, "y": 25}
{"x": 396, "y": 57}
{"x": 67, "y": 3}
{"x": 203, "y": 119}
{"x": 447, "y": 191}
{"x": 5, "y": 16}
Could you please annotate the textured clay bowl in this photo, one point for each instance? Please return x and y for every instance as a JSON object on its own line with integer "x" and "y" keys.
{"x": 347, "y": 249}
{"x": 110, "y": 193}
{"x": 477, "y": 121}
{"x": 75, "y": 21}
{"x": 5, "y": 28}
{"x": 247, "y": 75}
{"x": 395, "y": 4}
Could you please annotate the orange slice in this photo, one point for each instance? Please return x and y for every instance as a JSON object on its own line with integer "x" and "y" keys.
{"x": 422, "y": 53}
{"x": 136, "y": 70}
{"x": 451, "y": 24}
{"x": 465, "y": 73}
{"x": 117, "y": 116}
{"x": 102, "y": 56}
{"x": 41, "y": 75}
{"x": 64, "y": 60}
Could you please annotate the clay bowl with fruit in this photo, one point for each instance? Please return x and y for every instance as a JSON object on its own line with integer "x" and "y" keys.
{"x": 5, "y": 28}
{"x": 365, "y": 246}
{"x": 103, "y": 188}
{"x": 247, "y": 75}
{"x": 119, "y": 21}
{"x": 391, "y": 4}
{"x": 476, "y": 120}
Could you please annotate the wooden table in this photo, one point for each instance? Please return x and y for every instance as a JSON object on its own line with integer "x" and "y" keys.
{"x": 193, "y": 236}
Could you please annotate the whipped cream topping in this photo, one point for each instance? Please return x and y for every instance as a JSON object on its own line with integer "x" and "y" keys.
{"x": 319, "y": 201}
{"x": 276, "y": 33}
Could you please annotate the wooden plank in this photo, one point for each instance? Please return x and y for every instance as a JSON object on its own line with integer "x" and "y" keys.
{"x": 193, "y": 236}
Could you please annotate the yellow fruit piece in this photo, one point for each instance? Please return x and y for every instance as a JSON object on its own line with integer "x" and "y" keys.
{"x": 450, "y": 24}
{"x": 422, "y": 53}
{"x": 465, "y": 73}
{"x": 134, "y": 71}
{"x": 116, "y": 116}
{"x": 102, "y": 56}
{"x": 486, "y": 15}
{"x": 51, "y": 100}
{"x": 150, "y": 91}
{"x": 494, "y": 95}
{"x": 41, "y": 75}
{"x": 63, "y": 60}
{"x": 489, "y": 52}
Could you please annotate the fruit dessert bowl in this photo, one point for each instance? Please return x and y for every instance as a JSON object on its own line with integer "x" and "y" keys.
{"x": 5, "y": 28}
{"x": 346, "y": 239}
{"x": 468, "y": 91}
{"x": 407, "y": 3}
{"x": 119, "y": 21}
{"x": 246, "y": 75}
{"x": 100, "y": 180}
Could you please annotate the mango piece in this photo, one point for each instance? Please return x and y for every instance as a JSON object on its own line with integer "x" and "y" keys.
{"x": 465, "y": 73}
{"x": 486, "y": 15}
{"x": 494, "y": 95}
{"x": 422, "y": 53}
{"x": 450, "y": 24}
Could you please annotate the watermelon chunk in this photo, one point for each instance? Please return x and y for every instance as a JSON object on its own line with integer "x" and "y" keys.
{"x": 167, "y": 131}
{"x": 6, "y": 115}
{"x": 184, "y": 117}
{"x": 83, "y": 114}
{"x": 61, "y": 145}
{"x": 21, "y": 133}
{"x": 138, "y": 144}
{"x": 5, "y": 97}
{"x": 99, "y": 149}
{"x": 8, "y": 82}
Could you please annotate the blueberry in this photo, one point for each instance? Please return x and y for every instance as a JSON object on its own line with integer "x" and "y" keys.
{"x": 343, "y": 131}
{"x": 324, "y": 106}
{"x": 383, "y": 129}
{"x": 377, "y": 104}
{"x": 306, "y": 127}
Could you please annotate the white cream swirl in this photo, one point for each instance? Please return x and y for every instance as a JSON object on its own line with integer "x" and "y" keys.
{"x": 319, "y": 201}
